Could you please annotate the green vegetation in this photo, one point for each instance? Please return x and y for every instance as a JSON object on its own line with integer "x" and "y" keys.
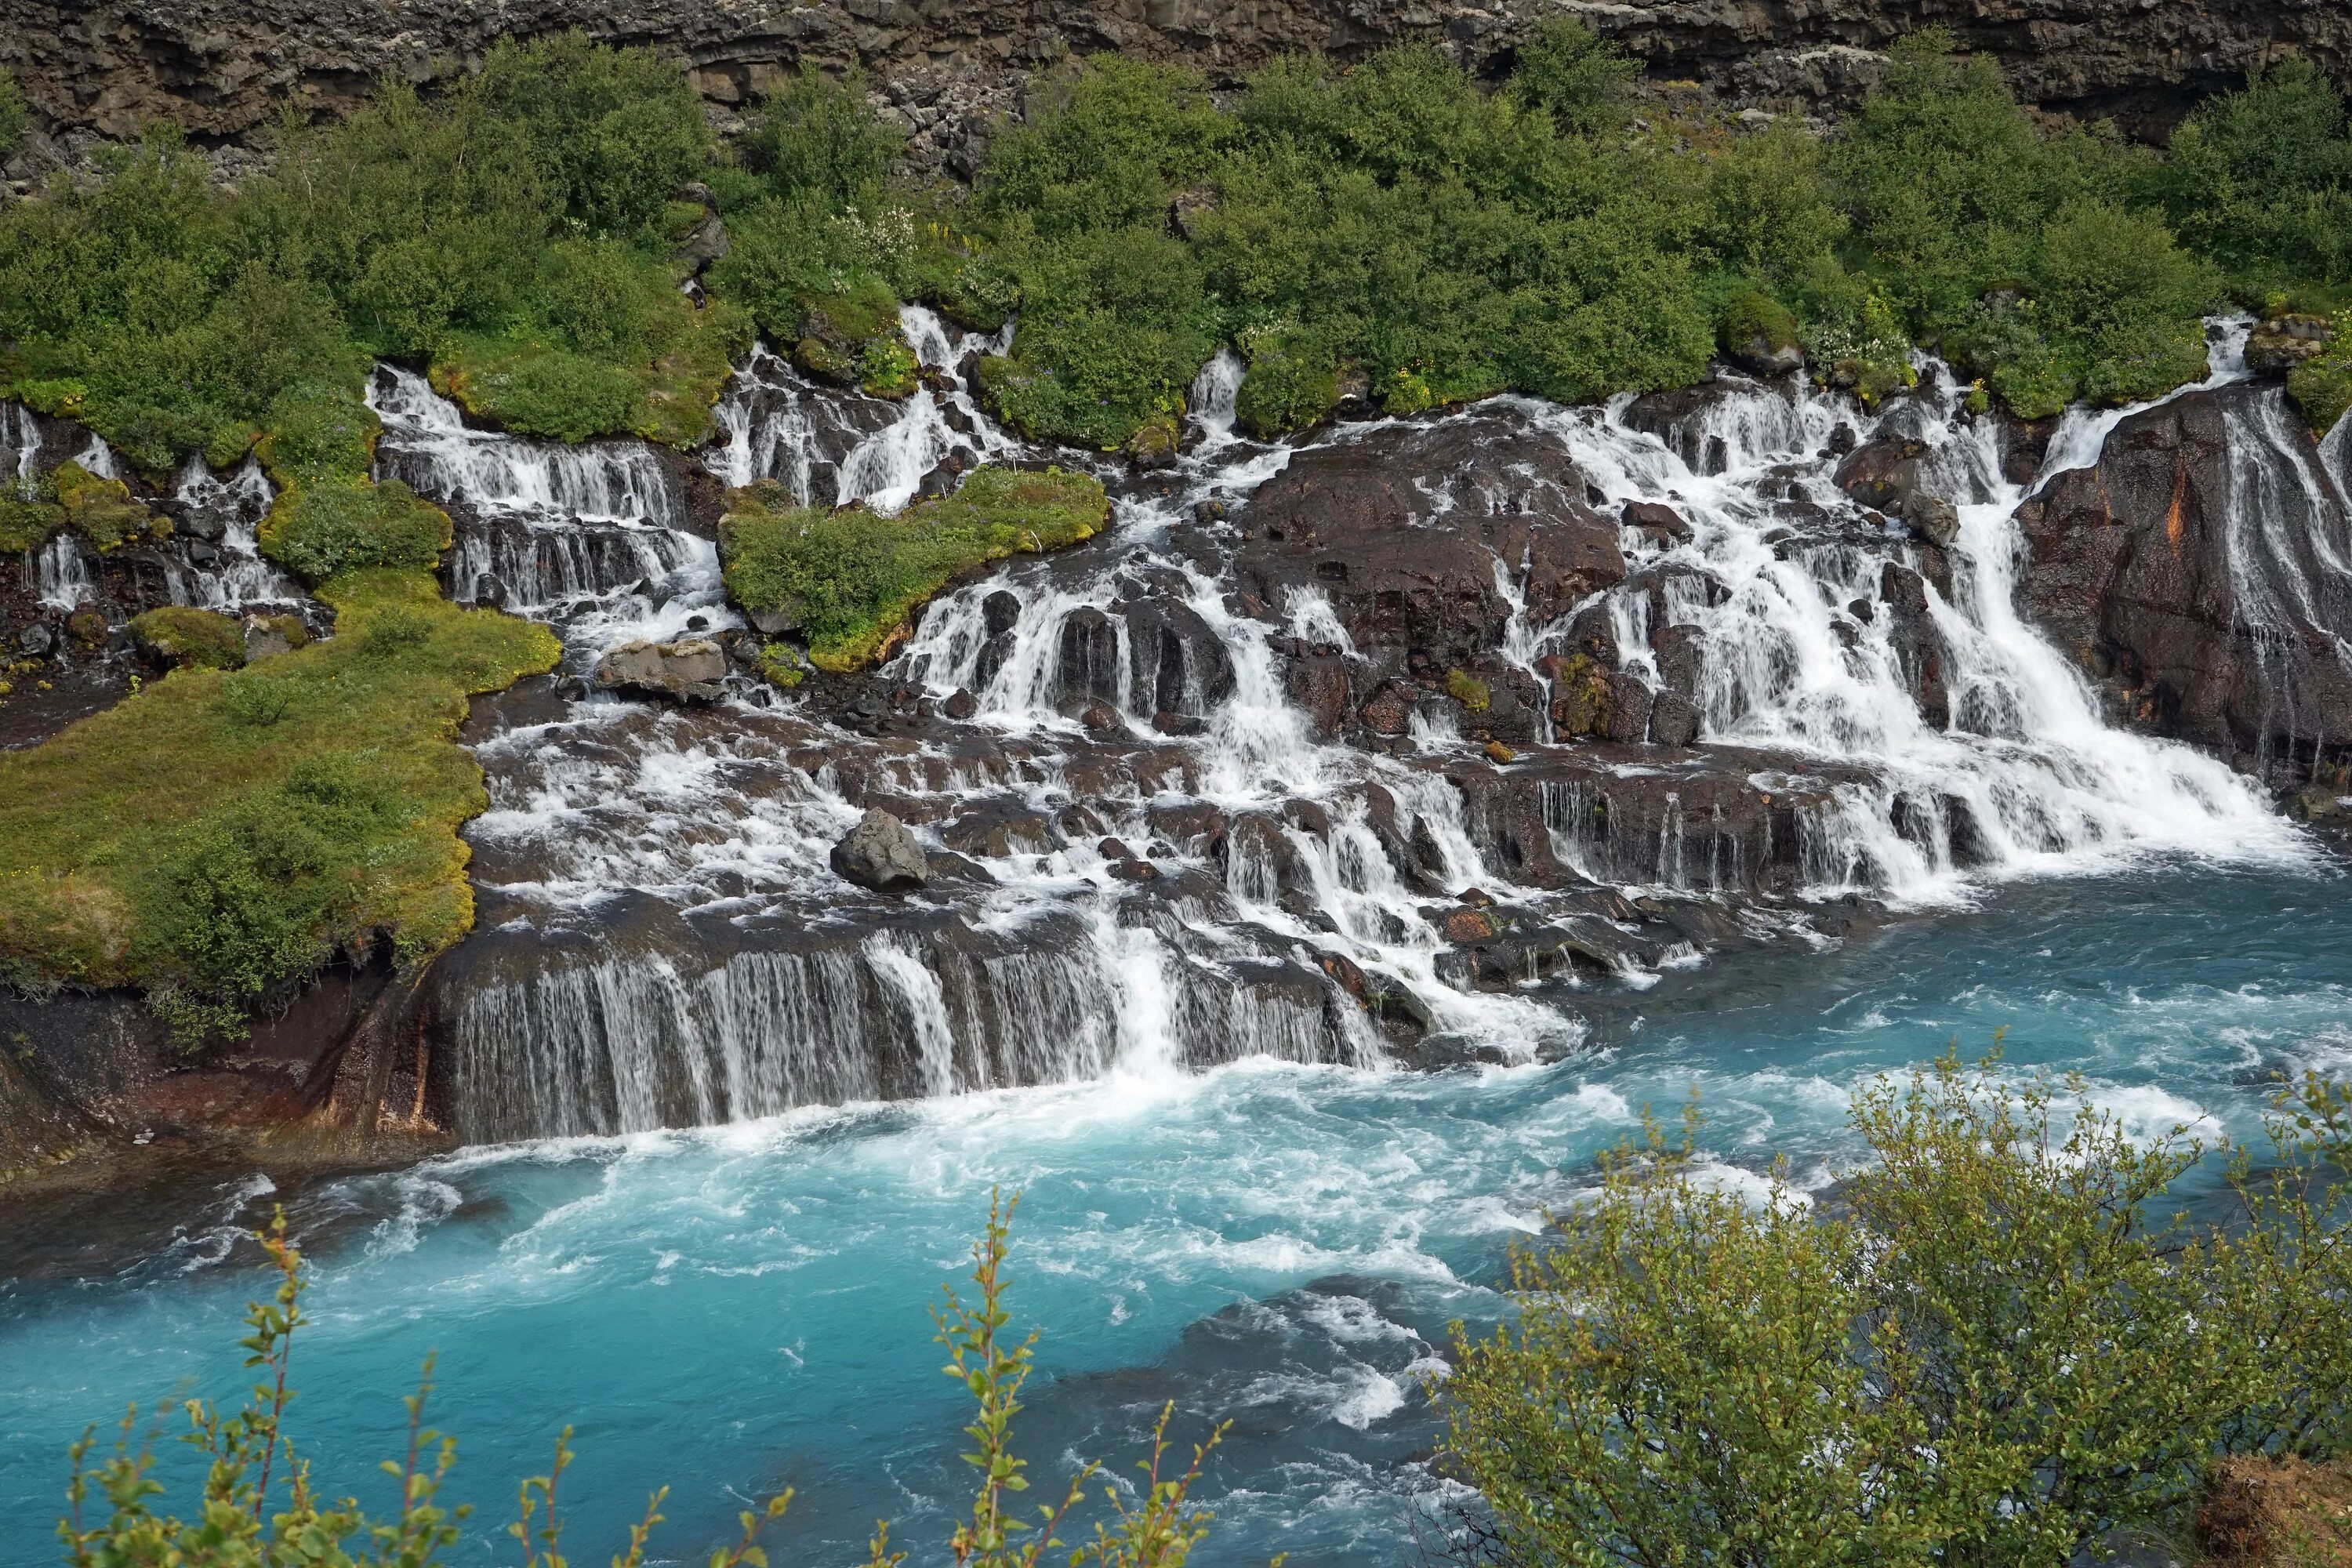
{"x": 181, "y": 635}
{"x": 849, "y": 580}
{"x": 1468, "y": 690}
{"x": 1985, "y": 1348}
{"x": 14, "y": 116}
{"x": 253, "y": 1468}
{"x": 518, "y": 229}
{"x": 216, "y": 836}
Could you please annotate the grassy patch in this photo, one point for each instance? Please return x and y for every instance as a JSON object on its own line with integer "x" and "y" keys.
{"x": 183, "y": 635}
{"x": 848, "y": 581}
{"x": 546, "y": 384}
{"x": 215, "y": 837}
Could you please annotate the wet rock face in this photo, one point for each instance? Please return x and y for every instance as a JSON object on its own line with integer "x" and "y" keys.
{"x": 2196, "y": 572}
{"x": 220, "y": 69}
{"x": 1402, "y": 533}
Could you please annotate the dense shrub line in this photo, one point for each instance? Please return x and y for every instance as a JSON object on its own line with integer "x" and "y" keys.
{"x": 1988, "y": 1345}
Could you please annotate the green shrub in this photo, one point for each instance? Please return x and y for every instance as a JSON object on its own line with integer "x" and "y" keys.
{"x": 1565, "y": 70}
{"x": 15, "y": 117}
{"x": 849, "y": 580}
{"x": 323, "y": 530}
{"x": 611, "y": 131}
{"x": 253, "y": 1513}
{"x": 1293, "y": 383}
{"x": 817, "y": 142}
{"x": 182, "y": 635}
{"x": 1988, "y": 1349}
{"x": 2260, "y": 180}
{"x": 2322, "y": 389}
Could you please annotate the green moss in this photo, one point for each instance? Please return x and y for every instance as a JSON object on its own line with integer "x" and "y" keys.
{"x": 103, "y": 511}
{"x": 216, "y": 837}
{"x": 182, "y": 635}
{"x": 848, "y": 581}
{"x": 1750, "y": 317}
{"x": 781, "y": 666}
{"x": 28, "y": 525}
{"x": 1467, "y": 689}
{"x": 332, "y": 526}
{"x": 2322, "y": 388}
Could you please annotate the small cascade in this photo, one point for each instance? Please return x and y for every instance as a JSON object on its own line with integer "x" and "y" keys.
{"x": 592, "y": 535}
{"x": 20, "y": 448}
{"x": 830, "y": 448}
{"x": 58, "y": 574}
{"x": 223, "y": 518}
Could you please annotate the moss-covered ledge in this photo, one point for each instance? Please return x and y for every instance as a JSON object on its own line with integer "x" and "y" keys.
{"x": 849, "y": 581}
{"x": 217, "y": 837}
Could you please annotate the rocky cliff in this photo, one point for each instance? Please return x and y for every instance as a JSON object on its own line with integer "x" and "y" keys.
{"x": 223, "y": 67}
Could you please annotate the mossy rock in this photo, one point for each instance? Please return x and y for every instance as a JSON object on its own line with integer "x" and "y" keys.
{"x": 850, "y": 580}
{"x": 1155, "y": 441}
{"x": 781, "y": 666}
{"x": 1758, "y": 334}
{"x": 1581, "y": 694}
{"x": 104, "y": 511}
{"x": 1468, "y": 690}
{"x": 853, "y": 340}
{"x": 1292, "y": 384}
{"x": 2322, "y": 390}
{"x": 536, "y": 386}
{"x": 183, "y": 636}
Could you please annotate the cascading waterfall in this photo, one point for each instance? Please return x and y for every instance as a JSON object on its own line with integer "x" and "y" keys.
{"x": 227, "y": 514}
{"x": 1889, "y": 725}
{"x": 593, "y": 535}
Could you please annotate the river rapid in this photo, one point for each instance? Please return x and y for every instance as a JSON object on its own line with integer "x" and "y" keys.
{"x": 732, "y": 1310}
{"x": 735, "y": 1123}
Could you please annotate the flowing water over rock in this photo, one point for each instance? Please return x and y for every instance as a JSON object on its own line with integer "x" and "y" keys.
{"x": 1409, "y": 742}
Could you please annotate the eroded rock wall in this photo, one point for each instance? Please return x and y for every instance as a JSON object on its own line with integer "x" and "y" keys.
{"x": 222, "y": 68}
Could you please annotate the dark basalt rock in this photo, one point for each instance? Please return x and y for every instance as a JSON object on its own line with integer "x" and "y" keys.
{"x": 2181, "y": 570}
{"x": 1402, "y": 535}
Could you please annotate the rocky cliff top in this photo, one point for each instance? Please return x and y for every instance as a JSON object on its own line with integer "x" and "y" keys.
{"x": 222, "y": 68}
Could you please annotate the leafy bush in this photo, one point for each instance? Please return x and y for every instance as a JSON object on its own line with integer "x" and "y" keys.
{"x": 1988, "y": 1349}
{"x": 1153, "y": 1526}
{"x": 1293, "y": 383}
{"x": 817, "y": 144}
{"x": 2260, "y": 180}
{"x": 321, "y": 531}
{"x": 612, "y": 132}
{"x": 849, "y": 580}
{"x": 182, "y": 635}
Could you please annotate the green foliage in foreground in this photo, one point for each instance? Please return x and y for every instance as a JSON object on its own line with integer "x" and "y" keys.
{"x": 849, "y": 580}
{"x": 215, "y": 837}
{"x": 1985, "y": 1348}
{"x": 260, "y": 1506}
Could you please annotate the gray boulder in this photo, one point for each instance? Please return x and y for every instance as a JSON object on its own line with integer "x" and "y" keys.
{"x": 881, "y": 853}
{"x": 689, "y": 671}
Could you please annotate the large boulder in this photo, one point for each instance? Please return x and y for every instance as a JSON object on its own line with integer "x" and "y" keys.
{"x": 691, "y": 670}
{"x": 881, "y": 853}
{"x": 2196, "y": 572}
{"x": 1403, "y": 533}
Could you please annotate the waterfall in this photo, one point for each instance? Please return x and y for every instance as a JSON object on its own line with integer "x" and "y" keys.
{"x": 20, "y": 446}
{"x": 1204, "y": 873}
{"x": 593, "y": 535}
{"x": 58, "y": 574}
{"x": 228, "y": 512}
